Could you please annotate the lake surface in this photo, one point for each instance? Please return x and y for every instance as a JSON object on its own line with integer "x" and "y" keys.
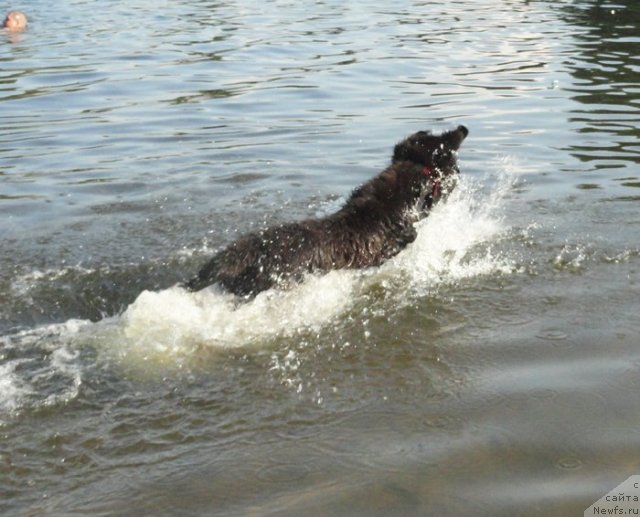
{"x": 492, "y": 368}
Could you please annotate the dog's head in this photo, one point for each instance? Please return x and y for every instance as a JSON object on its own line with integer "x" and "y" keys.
{"x": 437, "y": 152}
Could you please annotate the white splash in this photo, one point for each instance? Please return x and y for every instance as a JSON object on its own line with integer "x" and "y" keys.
{"x": 454, "y": 242}
{"x": 12, "y": 388}
{"x": 445, "y": 250}
{"x": 169, "y": 320}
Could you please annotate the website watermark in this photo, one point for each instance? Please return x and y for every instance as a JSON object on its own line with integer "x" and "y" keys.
{"x": 622, "y": 500}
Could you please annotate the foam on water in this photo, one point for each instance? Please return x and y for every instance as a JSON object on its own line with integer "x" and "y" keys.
{"x": 168, "y": 320}
{"x": 41, "y": 367}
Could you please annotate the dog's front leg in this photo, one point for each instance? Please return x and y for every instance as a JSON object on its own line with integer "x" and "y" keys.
{"x": 406, "y": 236}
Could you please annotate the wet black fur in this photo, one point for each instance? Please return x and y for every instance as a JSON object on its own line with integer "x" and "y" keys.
{"x": 375, "y": 223}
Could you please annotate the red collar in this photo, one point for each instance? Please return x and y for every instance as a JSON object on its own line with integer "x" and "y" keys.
{"x": 436, "y": 189}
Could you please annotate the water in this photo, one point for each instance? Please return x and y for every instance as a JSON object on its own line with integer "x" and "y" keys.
{"x": 492, "y": 368}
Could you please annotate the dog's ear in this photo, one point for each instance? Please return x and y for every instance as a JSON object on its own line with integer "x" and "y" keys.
{"x": 411, "y": 148}
{"x": 401, "y": 152}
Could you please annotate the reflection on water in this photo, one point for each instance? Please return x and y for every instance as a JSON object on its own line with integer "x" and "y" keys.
{"x": 490, "y": 369}
{"x": 605, "y": 65}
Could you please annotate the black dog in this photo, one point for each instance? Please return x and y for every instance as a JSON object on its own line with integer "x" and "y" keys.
{"x": 376, "y": 223}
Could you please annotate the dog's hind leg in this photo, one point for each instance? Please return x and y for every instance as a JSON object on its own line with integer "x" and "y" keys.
{"x": 205, "y": 277}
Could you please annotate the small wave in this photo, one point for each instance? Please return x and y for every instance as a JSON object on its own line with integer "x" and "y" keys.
{"x": 12, "y": 388}
{"x": 577, "y": 257}
{"x": 572, "y": 257}
{"x": 40, "y": 369}
{"x": 22, "y": 285}
{"x": 622, "y": 257}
